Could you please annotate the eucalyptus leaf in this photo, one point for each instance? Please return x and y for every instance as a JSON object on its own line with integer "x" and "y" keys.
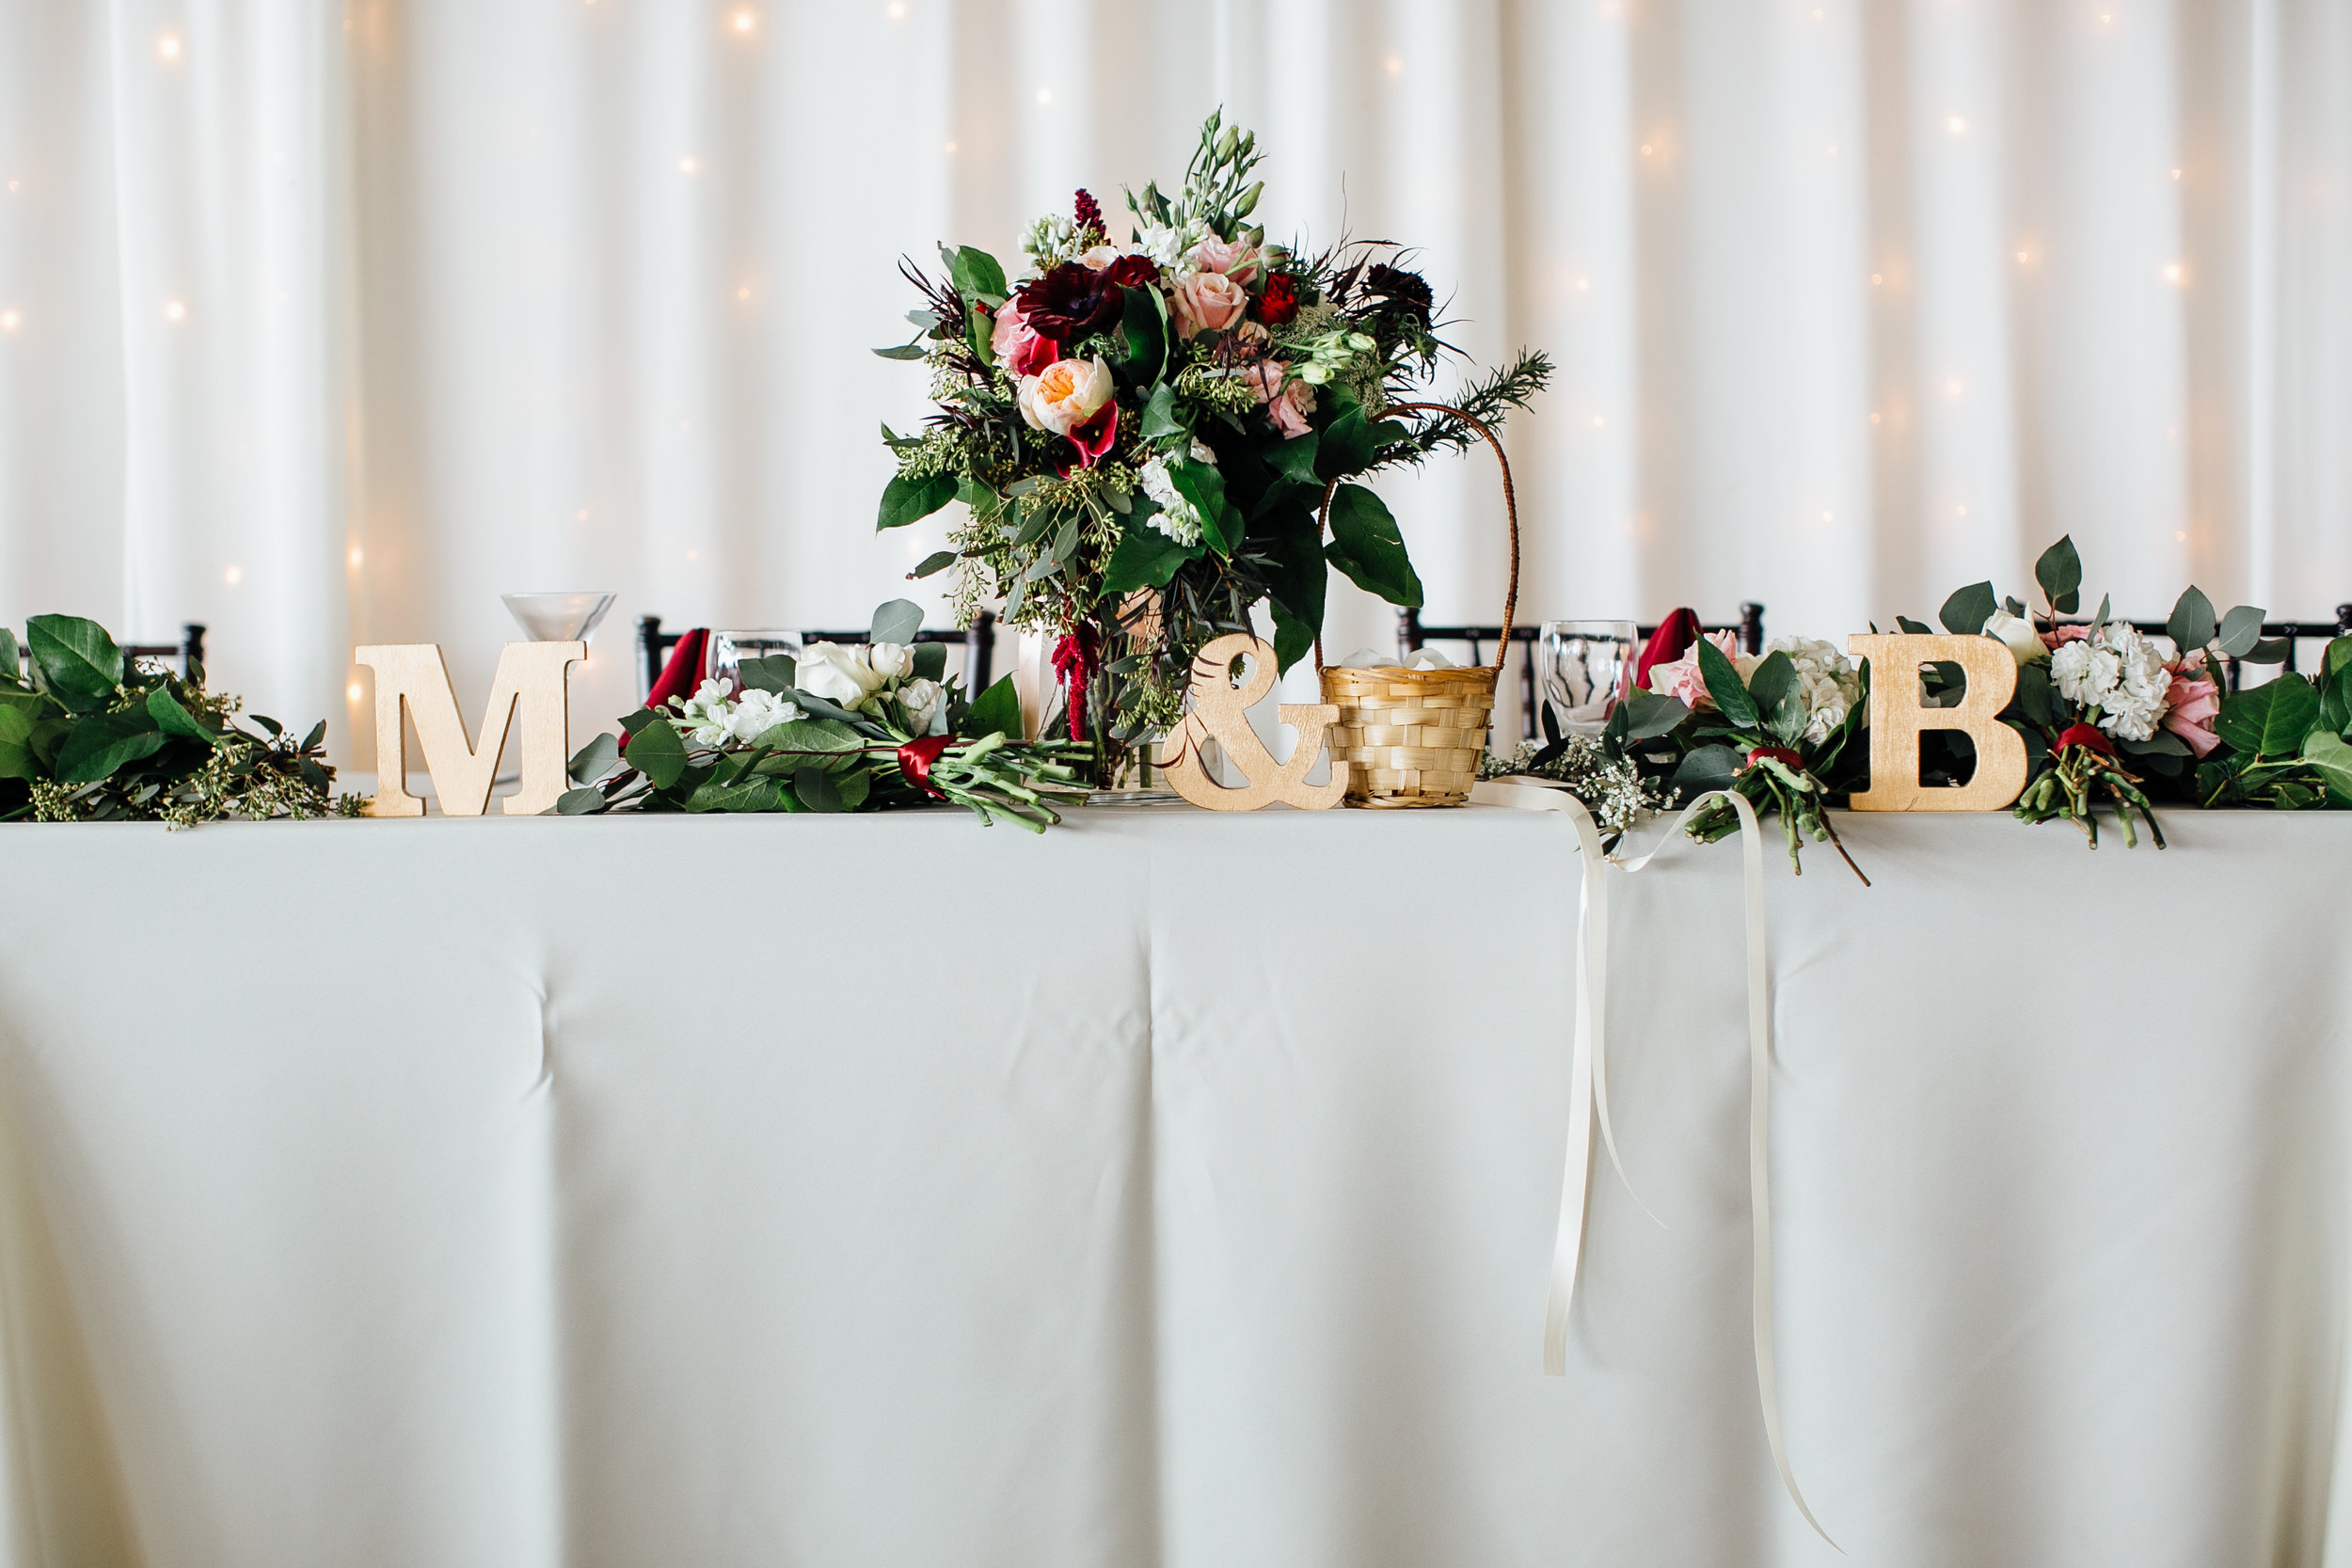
{"x": 580, "y": 803}
{"x": 776, "y": 673}
{"x": 1966, "y": 611}
{"x": 592, "y": 761}
{"x": 2192, "y": 623}
{"x": 897, "y": 622}
{"x": 817, "y": 791}
{"x": 1913, "y": 628}
{"x": 2271, "y": 650}
{"x": 2240, "y": 630}
{"x": 930, "y": 661}
{"x": 1705, "y": 767}
{"x": 657, "y": 752}
{"x": 938, "y": 561}
{"x": 902, "y": 351}
{"x": 1647, "y": 715}
{"x": 2060, "y": 573}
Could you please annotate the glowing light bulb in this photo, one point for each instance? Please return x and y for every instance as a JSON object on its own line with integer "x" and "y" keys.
{"x": 352, "y": 692}
{"x": 687, "y": 166}
{"x": 1874, "y": 280}
{"x": 2181, "y": 536}
{"x": 169, "y": 46}
{"x": 1597, "y": 422}
{"x": 10, "y": 320}
{"x": 1396, "y": 65}
{"x": 1952, "y": 387}
{"x": 2176, "y": 174}
{"x": 175, "y": 311}
{"x": 1044, "y": 96}
{"x": 12, "y": 184}
{"x": 359, "y": 558}
{"x": 234, "y": 575}
{"x": 743, "y": 294}
{"x": 693, "y": 555}
{"x": 745, "y": 21}
{"x": 2175, "y": 272}
{"x": 1955, "y": 124}
{"x": 1874, "y": 418}
{"x": 1646, "y": 150}
{"x": 581, "y": 515}
{"x": 895, "y": 10}
{"x": 1582, "y": 284}
{"x": 1960, "y": 512}
{"x": 950, "y": 149}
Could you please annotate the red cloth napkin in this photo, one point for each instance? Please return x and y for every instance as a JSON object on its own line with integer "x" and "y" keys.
{"x": 684, "y": 672}
{"x": 1670, "y": 641}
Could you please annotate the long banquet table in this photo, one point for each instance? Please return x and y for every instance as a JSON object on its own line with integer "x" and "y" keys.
{"x": 1173, "y": 1190}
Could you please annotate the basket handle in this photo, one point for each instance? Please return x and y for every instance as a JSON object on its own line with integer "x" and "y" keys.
{"x": 1510, "y": 508}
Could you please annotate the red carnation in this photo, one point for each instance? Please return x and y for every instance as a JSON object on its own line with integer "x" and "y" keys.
{"x": 1280, "y": 302}
{"x": 1089, "y": 214}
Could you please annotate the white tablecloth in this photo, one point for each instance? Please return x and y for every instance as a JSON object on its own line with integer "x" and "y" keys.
{"x": 1175, "y": 1189}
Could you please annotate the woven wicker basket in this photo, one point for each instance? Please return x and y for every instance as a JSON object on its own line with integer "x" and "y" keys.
{"x": 1414, "y": 738}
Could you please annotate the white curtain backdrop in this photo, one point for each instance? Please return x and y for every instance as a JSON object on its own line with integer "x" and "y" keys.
{"x": 327, "y": 325}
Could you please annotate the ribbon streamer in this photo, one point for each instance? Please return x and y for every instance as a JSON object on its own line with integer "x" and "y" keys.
{"x": 1593, "y": 956}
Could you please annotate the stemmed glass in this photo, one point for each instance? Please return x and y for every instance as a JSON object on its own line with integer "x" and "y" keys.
{"x": 560, "y": 617}
{"x": 1583, "y": 669}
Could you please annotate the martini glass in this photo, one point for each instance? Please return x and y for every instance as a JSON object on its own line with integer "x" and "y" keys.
{"x": 572, "y": 617}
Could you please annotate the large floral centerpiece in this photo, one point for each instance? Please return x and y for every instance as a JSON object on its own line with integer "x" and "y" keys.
{"x": 1143, "y": 432}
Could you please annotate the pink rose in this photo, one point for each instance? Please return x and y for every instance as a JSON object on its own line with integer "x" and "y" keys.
{"x": 1681, "y": 678}
{"x": 1022, "y": 351}
{"x": 1208, "y": 302}
{"x": 2064, "y": 634}
{"x": 1287, "y": 406}
{"x": 1235, "y": 259}
{"x": 2194, "y": 699}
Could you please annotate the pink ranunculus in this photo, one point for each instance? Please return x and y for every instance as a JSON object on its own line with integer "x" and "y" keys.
{"x": 2064, "y": 634}
{"x": 1024, "y": 351}
{"x": 2193, "y": 699}
{"x": 1287, "y": 406}
{"x": 1235, "y": 259}
{"x": 1208, "y": 302}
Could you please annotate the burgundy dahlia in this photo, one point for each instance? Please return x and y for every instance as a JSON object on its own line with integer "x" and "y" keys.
{"x": 1069, "y": 302}
{"x": 1402, "y": 293}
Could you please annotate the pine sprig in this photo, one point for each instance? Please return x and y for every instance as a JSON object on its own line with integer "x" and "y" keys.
{"x": 1488, "y": 400}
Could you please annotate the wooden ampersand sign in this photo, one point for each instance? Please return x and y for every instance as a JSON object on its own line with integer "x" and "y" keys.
{"x": 1220, "y": 712}
{"x": 532, "y": 677}
{"x": 1897, "y": 717}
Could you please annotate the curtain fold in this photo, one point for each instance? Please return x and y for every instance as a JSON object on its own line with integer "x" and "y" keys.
{"x": 323, "y": 326}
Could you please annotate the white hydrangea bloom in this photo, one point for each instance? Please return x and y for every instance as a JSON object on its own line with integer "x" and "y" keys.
{"x": 1831, "y": 684}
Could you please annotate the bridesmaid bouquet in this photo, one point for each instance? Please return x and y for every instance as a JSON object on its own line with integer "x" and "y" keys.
{"x": 1144, "y": 430}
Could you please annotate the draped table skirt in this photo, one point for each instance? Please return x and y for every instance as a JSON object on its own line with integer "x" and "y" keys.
{"x": 1174, "y": 1190}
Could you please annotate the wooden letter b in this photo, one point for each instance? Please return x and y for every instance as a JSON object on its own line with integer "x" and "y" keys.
{"x": 1897, "y": 717}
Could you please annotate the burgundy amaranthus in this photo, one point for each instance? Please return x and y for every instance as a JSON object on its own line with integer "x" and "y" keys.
{"x": 1090, "y": 215}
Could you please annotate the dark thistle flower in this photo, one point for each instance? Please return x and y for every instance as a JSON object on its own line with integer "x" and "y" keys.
{"x": 1070, "y": 301}
{"x": 1090, "y": 215}
{"x": 1402, "y": 293}
{"x": 1280, "y": 302}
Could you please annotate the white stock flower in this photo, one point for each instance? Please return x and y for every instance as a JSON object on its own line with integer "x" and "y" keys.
{"x": 926, "y": 702}
{"x": 758, "y": 712}
{"x": 702, "y": 719}
{"x": 838, "y": 675}
{"x": 1169, "y": 246}
{"x": 1177, "y": 518}
{"x": 892, "y": 661}
{"x": 2017, "y": 633}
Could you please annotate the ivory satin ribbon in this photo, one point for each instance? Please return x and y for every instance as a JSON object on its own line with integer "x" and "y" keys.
{"x": 1589, "y": 1091}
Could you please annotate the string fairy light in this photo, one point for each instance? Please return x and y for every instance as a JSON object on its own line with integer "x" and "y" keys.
{"x": 10, "y": 320}
{"x": 175, "y": 311}
{"x": 167, "y": 46}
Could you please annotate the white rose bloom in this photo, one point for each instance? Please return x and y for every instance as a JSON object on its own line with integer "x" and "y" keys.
{"x": 838, "y": 675}
{"x": 926, "y": 702}
{"x": 2085, "y": 671}
{"x": 892, "y": 661}
{"x": 758, "y": 713}
{"x": 2016, "y": 631}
